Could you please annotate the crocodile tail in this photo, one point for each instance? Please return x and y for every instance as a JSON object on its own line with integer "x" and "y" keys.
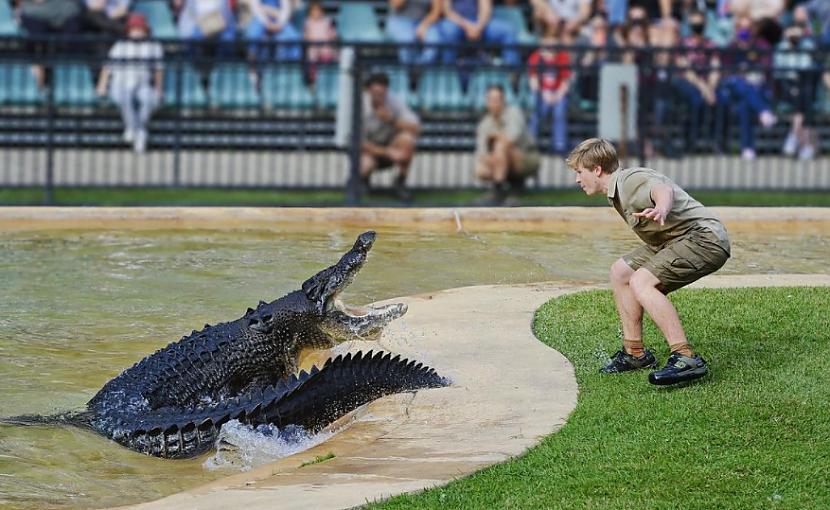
{"x": 179, "y": 434}
{"x": 80, "y": 419}
{"x": 346, "y": 383}
{"x": 309, "y": 399}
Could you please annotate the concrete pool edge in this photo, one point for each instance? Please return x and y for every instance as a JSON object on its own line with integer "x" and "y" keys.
{"x": 47, "y": 218}
{"x": 394, "y": 452}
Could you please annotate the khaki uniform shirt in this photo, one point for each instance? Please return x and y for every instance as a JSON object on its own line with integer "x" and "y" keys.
{"x": 512, "y": 123}
{"x": 378, "y": 131}
{"x": 630, "y": 192}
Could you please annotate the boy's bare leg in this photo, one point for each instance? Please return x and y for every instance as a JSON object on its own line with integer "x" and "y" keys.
{"x": 660, "y": 309}
{"x": 629, "y": 309}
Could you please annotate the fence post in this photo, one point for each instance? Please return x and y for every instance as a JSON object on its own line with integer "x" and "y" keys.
{"x": 177, "y": 123}
{"x": 641, "y": 121}
{"x": 349, "y": 111}
{"x": 355, "y": 189}
{"x": 49, "y": 191}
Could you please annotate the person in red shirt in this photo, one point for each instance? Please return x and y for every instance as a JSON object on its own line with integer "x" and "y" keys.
{"x": 549, "y": 77}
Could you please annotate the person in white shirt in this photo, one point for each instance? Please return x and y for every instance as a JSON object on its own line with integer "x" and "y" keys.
{"x": 134, "y": 78}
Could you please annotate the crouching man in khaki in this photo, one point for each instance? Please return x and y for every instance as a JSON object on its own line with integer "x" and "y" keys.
{"x": 683, "y": 242}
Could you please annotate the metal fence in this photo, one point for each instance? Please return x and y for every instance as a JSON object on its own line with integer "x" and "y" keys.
{"x": 232, "y": 122}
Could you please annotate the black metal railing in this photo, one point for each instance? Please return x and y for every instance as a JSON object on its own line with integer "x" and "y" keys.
{"x": 227, "y": 120}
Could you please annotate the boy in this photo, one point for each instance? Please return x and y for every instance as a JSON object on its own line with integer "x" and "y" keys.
{"x": 683, "y": 242}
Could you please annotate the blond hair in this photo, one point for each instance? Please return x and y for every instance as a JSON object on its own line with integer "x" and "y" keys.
{"x": 594, "y": 152}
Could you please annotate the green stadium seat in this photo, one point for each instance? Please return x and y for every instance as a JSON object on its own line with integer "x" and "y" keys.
{"x": 8, "y": 25}
{"x": 231, "y": 87}
{"x": 327, "y": 86}
{"x": 525, "y": 97}
{"x": 283, "y": 86}
{"x": 18, "y": 86}
{"x": 192, "y": 93}
{"x": 357, "y": 22}
{"x": 719, "y": 30}
{"x": 298, "y": 16}
{"x": 74, "y": 85}
{"x": 513, "y": 15}
{"x": 481, "y": 81}
{"x": 440, "y": 89}
{"x": 159, "y": 17}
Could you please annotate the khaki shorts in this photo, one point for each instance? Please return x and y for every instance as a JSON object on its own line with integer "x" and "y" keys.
{"x": 530, "y": 162}
{"x": 682, "y": 261}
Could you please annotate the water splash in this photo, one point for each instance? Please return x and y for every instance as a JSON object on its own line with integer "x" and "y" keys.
{"x": 242, "y": 447}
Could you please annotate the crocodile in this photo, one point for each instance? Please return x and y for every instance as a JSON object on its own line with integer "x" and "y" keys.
{"x": 173, "y": 403}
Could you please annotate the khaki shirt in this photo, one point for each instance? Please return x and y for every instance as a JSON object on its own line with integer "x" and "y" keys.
{"x": 512, "y": 123}
{"x": 629, "y": 191}
{"x": 376, "y": 130}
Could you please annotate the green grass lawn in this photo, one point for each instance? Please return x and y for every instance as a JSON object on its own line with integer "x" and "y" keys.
{"x": 755, "y": 433}
{"x": 335, "y": 198}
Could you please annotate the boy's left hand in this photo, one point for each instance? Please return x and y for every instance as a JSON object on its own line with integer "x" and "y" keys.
{"x": 653, "y": 213}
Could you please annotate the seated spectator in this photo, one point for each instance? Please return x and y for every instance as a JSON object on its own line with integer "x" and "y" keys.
{"x": 271, "y": 21}
{"x": 549, "y": 77}
{"x": 472, "y": 21}
{"x": 505, "y": 150}
{"x": 390, "y": 130}
{"x": 744, "y": 85}
{"x": 134, "y": 77}
{"x": 549, "y": 13}
{"x": 597, "y": 36}
{"x": 43, "y": 17}
{"x": 658, "y": 15}
{"x": 319, "y": 28}
{"x": 797, "y": 79}
{"x": 818, "y": 10}
{"x": 207, "y": 19}
{"x": 106, "y": 16}
{"x": 412, "y": 21}
{"x": 699, "y": 75}
{"x": 757, "y": 10}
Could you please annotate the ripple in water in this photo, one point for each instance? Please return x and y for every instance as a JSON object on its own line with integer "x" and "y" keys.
{"x": 242, "y": 447}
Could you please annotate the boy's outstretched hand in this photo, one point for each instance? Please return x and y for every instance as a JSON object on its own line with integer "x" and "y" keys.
{"x": 653, "y": 213}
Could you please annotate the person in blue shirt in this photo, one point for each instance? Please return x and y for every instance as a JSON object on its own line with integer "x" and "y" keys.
{"x": 472, "y": 21}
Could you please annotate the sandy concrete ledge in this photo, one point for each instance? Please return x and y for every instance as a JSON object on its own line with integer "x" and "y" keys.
{"x": 451, "y": 219}
{"x": 509, "y": 391}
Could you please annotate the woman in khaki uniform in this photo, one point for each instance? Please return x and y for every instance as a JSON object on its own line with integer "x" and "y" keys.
{"x": 683, "y": 242}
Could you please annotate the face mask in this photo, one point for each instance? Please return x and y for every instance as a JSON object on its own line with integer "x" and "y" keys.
{"x": 697, "y": 28}
{"x": 743, "y": 35}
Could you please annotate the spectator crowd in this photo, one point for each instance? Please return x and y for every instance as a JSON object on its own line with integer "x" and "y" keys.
{"x": 727, "y": 62}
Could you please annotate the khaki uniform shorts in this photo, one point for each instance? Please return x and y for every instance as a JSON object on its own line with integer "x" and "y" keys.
{"x": 530, "y": 162}
{"x": 681, "y": 261}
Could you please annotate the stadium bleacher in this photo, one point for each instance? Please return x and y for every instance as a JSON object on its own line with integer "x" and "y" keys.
{"x": 449, "y": 101}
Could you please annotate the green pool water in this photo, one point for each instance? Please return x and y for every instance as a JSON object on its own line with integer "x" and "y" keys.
{"x": 76, "y": 308}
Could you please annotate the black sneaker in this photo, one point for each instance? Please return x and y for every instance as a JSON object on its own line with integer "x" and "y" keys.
{"x": 621, "y": 361}
{"x": 679, "y": 368}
